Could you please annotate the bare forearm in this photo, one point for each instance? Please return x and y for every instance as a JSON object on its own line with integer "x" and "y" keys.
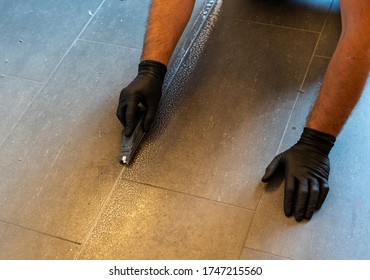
{"x": 347, "y": 71}
{"x": 167, "y": 21}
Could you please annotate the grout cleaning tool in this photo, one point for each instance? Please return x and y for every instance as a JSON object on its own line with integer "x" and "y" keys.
{"x": 131, "y": 143}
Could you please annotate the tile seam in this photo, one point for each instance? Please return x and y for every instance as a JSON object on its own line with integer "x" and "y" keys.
{"x": 41, "y": 232}
{"x": 108, "y": 44}
{"x": 261, "y": 251}
{"x": 98, "y": 216}
{"x": 290, "y": 116}
{"x": 21, "y": 78}
{"x": 51, "y": 73}
{"x": 188, "y": 194}
{"x": 279, "y": 26}
{"x": 322, "y": 56}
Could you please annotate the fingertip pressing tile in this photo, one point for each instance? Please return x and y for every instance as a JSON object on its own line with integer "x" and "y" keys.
{"x": 142, "y": 222}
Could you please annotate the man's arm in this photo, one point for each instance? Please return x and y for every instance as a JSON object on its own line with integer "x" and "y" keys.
{"x": 347, "y": 72}
{"x": 306, "y": 164}
{"x": 167, "y": 21}
{"x": 166, "y": 24}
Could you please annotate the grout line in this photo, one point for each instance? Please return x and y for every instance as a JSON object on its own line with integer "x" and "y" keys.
{"x": 264, "y": 252}
{"x": 280, "y": 26}
{"x": 302, "y": 84}
{"x": 249, "y": 228}
{"x": 98, "y": 216}
{"x": 291, "y": 114}
{"x": 188, "y": 194}
{"x": 22, "y": 78}
{"x": 322, "y": 56}
{"x": 108, "y": 44}
{"x": 40, "y": 232}
{"x": 51, "y": 73}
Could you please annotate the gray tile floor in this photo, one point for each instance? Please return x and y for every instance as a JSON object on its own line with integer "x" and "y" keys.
{"x": 193, "y": 191}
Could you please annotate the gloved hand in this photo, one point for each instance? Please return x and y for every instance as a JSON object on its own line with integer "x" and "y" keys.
{"x": 146, "y": 89}
{"x": 306, "y": 173}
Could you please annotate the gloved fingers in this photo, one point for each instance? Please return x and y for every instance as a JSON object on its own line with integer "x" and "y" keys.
{"x": 131, "y": 117}
{"x": 149, "y": 116}
{"x": 324, "y": 189}
{"x": 121, "y": 113}
{"x": 271, "y": 169}
{"x": 313, "y": 197}
{"x": 301, "y": 199}
{"x": 289, "y": 195}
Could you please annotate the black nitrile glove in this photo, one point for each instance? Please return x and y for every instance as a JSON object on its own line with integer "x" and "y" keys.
{"x": 146, "y": 89}
{"x": 306, "y": 173}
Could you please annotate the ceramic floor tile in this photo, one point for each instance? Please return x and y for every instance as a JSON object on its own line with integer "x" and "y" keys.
{"x": 341, "y": 228}
{"x": 215, "y": 133}
{"x": 331, "y": 32}
{"x": 120, "y": 22}
{"x": 35, "y": 35}
{"x": 250, "y": 254}
{"x": 142, "y": 222}
{"x": 302, "y": 14}
{"x": 24, "y": 244}
{"x": 306, "y": 100}
{"x": 124, "y": 22}
{"x": 61, "y": 160}
{"x": 16, "y": 95}
{"x": 198, "y": 17}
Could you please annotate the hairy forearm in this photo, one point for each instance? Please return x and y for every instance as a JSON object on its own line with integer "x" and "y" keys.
{"x": 167, "y": 21}
{"x": 347, "y": 71}
{"x": 341, "y": 89}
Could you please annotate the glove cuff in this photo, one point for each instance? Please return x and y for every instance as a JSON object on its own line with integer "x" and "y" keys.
{"x": 321, "y": 141}
{"x": 152, "y": 67}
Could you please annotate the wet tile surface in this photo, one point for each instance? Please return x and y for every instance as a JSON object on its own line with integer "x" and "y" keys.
{"x": 340, "y": 229}
{"x": 207, "y": 128}
{"x": 36, "y": 34}
{"x": 23, "y": 244}
{"x": 61, "y": 160}
{"x": 16, "y": 95}
{"x": 301, "y": 14}
{"x": 142, "y": 222}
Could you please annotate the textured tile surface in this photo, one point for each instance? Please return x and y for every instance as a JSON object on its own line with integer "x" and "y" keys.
{"x": 15, "y": 96}
{"x": 34, "y": 35}
{"x": 142, "y": 222}
{"x": 61, "y": 160}
{"x": 341, "y": 228}
{"x": 120, "y": 22}
{"x": 24, "y": 244}
{"x": 302, "y": 14}
{"x": 219, "y": 125}
{"x": 205, "y": 140}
